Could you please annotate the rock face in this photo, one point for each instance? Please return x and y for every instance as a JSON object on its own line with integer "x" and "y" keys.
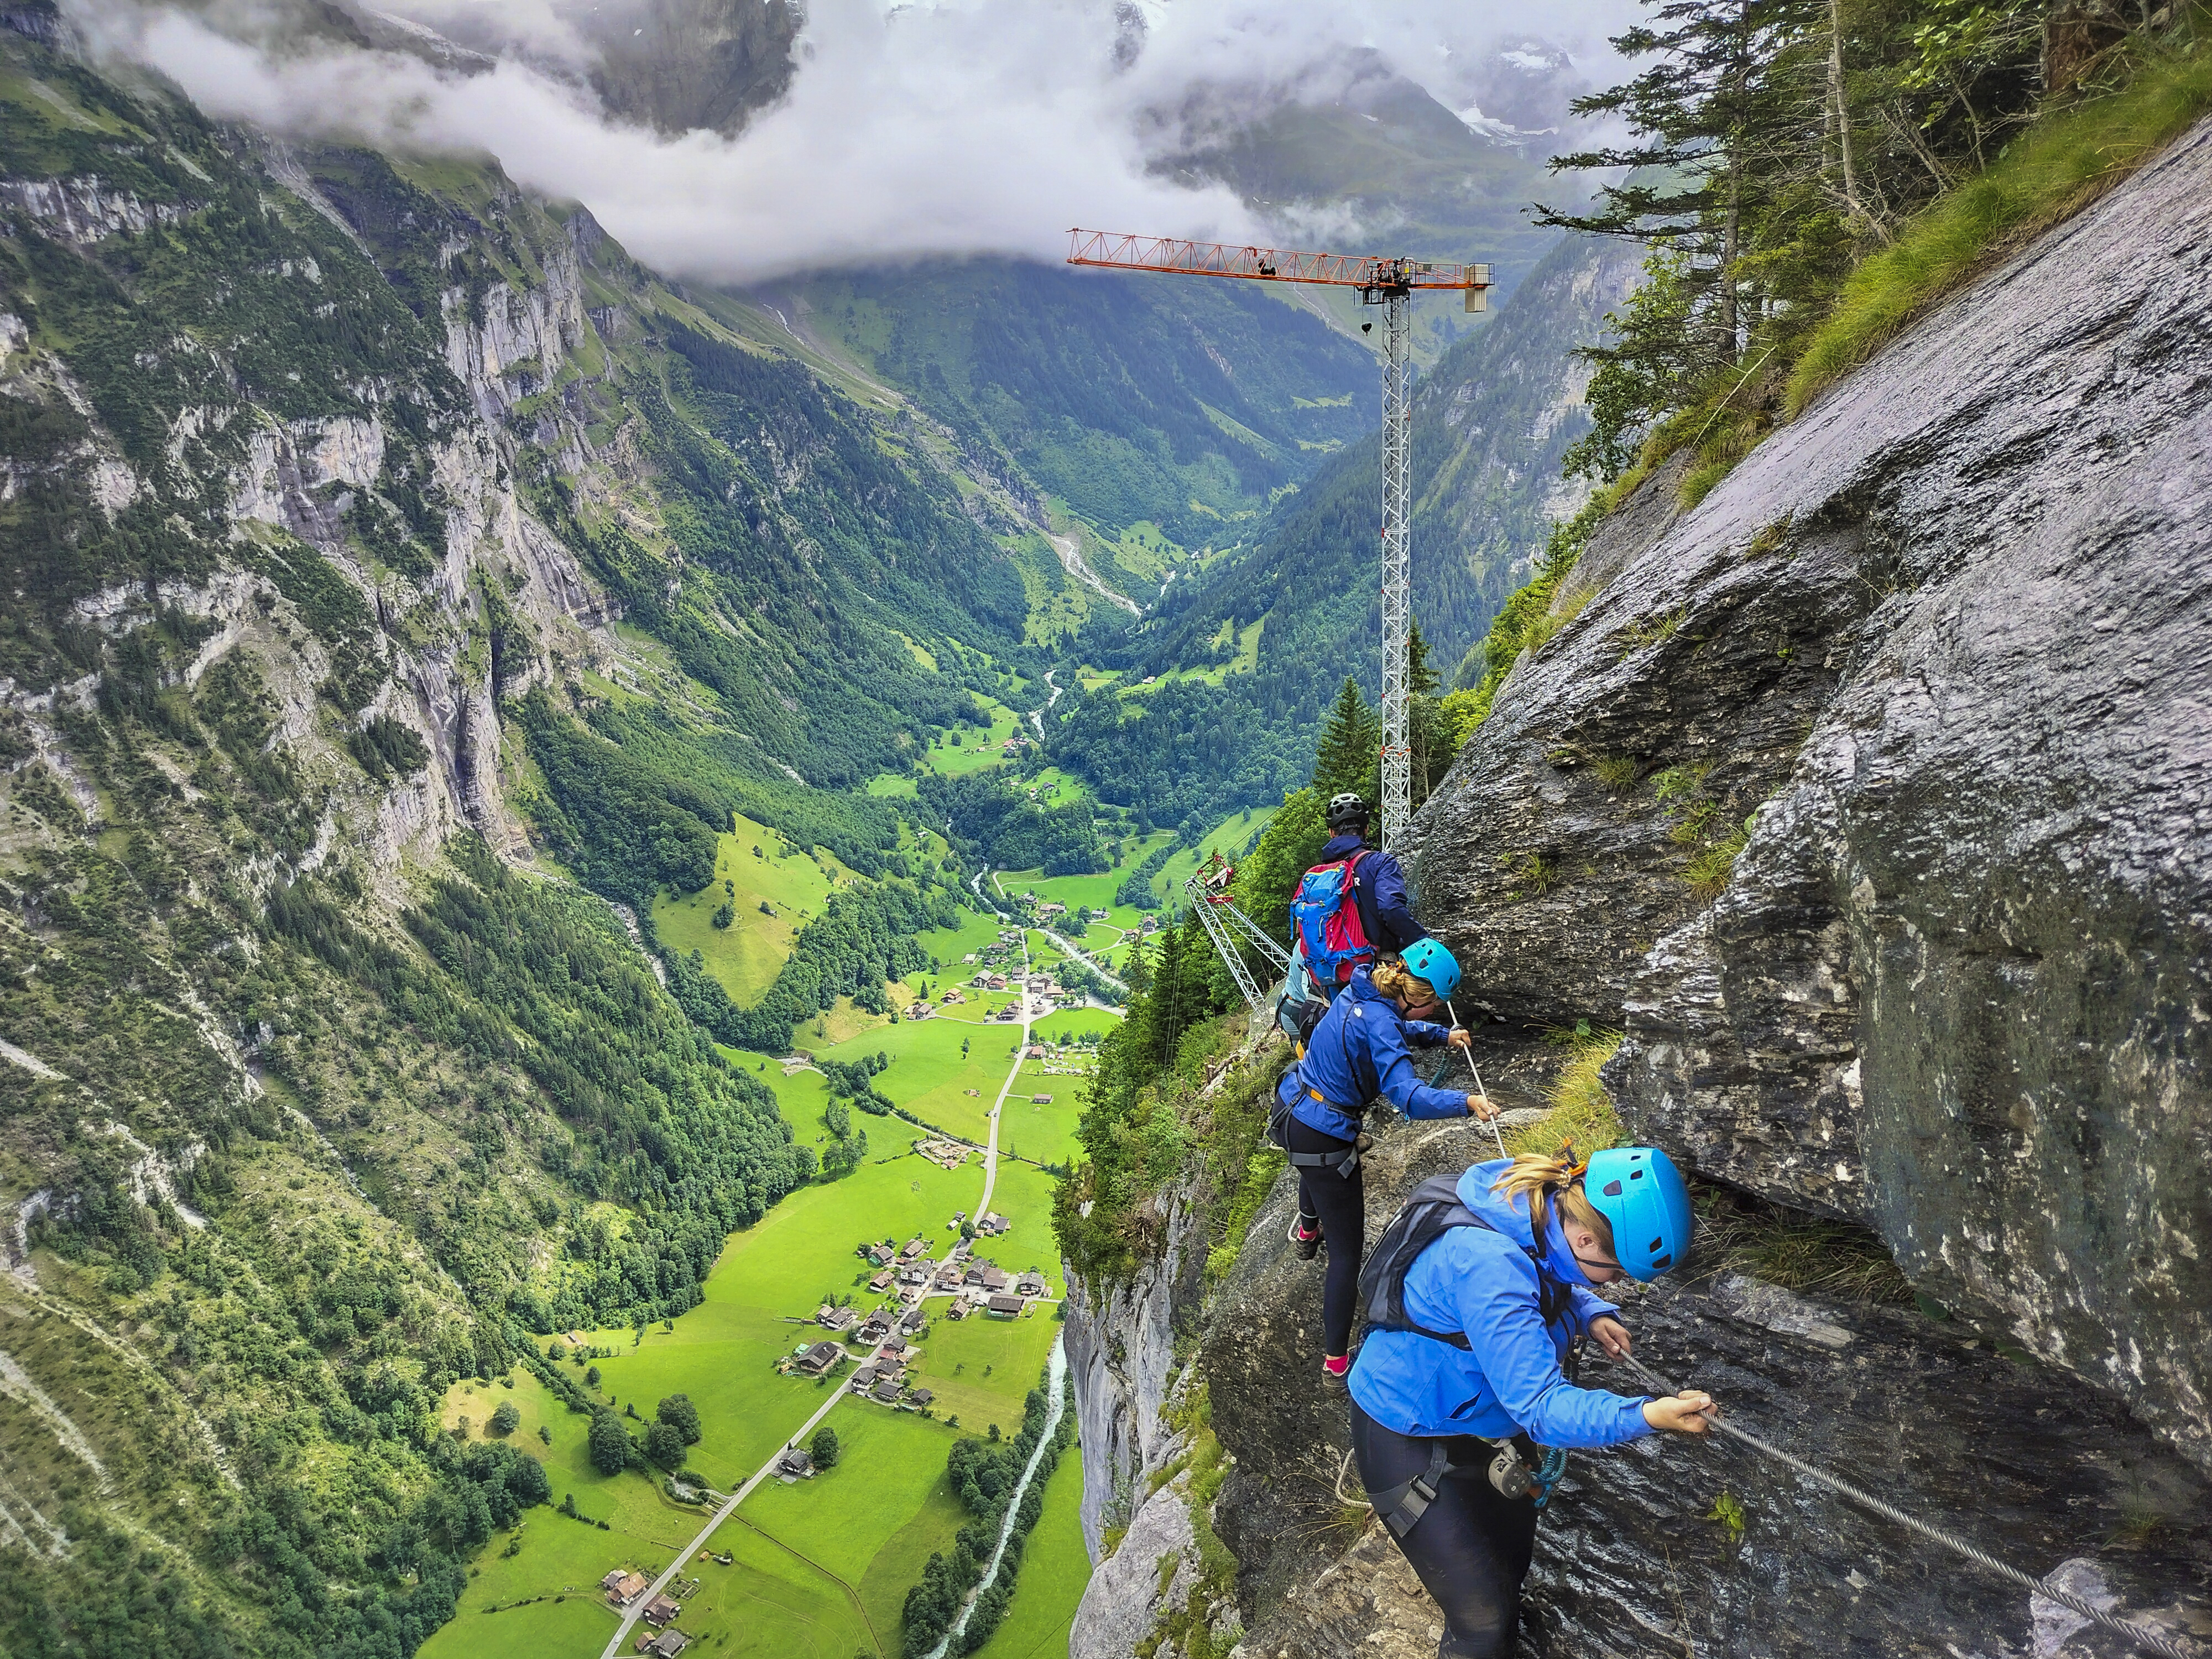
{"x": 1121, "y": 1352}
{"x": 2029, "y": 1464}
{"x": 1940, "y": 649}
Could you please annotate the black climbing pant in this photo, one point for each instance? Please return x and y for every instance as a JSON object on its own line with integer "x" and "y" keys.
{"x": 1340, "y": 1204}
{"x": 1470, "y": 1548}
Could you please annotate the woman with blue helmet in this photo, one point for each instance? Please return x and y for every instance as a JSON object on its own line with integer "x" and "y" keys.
{"x": 1357, "y": 1053}
{"x": 1459, "y": 1393}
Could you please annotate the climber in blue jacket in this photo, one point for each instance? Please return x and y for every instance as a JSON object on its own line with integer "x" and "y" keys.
{"x": 1459, "y": 1390}
{"x": 1357, "y": 1053}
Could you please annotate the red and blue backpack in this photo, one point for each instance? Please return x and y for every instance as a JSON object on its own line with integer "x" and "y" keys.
{"x": 1324, "y": 912}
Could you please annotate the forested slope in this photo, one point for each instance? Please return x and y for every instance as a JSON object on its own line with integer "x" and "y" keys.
{"x": 370, "y": 525}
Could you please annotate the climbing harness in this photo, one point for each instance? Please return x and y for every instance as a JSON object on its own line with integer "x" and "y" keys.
{"x": 2139, "y": 1634}
{"x": 1519, "y": 1468}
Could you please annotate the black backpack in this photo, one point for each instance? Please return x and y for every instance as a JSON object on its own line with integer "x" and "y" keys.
{"x": 1432, "y": 1210}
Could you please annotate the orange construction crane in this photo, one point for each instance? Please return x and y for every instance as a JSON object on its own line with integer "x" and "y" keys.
{"x": 1390, "y": 283}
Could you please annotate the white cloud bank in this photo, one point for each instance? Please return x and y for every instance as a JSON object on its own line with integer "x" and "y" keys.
{"x": 966, "y": 126}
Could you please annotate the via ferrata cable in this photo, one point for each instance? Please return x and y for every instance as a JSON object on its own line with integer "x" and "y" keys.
{"x": 2141, "y": 1635}
{"x": 1496, "y": 1134}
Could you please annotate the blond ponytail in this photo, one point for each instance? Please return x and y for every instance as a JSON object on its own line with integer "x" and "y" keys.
{"x": 1540, "y": 1177}
{"x": 1394, "y": 980}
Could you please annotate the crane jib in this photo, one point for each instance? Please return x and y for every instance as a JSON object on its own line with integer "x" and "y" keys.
{"x": 1382, "y": 273}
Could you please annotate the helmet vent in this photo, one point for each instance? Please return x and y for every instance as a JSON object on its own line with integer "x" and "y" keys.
{"x": 1613, "y": 1190}
{"x": 1636, "y": 1175}
{"x": 1656, "y": 1243}
{"x": 1661, "y": 1263}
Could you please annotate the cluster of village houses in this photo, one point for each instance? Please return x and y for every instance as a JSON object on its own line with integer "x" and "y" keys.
{"x": 973, "y": 1284}
{"x": 660, "y": 1638}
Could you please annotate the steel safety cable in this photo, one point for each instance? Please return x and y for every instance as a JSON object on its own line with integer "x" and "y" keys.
{"x": 2139, "y": 1634}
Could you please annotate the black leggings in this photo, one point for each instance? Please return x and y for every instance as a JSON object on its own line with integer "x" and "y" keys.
{"x": 1471, "y": 1547}
{"x": 1340, "y": 1206}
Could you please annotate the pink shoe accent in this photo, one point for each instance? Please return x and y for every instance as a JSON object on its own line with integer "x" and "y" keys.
{"x": 1336, "y": 1365}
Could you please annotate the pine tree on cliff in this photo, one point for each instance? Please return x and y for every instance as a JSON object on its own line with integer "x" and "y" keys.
{"x": 1351, "y": 744}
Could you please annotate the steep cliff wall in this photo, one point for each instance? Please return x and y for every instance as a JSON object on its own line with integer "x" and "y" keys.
{"x": 1933, "y": 659}
{"x": 1869, "y": 798}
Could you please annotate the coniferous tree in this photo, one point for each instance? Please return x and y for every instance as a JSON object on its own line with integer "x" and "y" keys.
{"x": 1351, "y": 744}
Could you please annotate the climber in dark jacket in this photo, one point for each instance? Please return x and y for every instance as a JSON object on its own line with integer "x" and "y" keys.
{"x": 1360, "y": 1054}
{"x": 1378, "y": 884}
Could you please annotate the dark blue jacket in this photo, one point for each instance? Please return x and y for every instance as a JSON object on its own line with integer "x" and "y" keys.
{"x": 1358, "y": 1052}
{"x": 1483, "y": 1282}
{"x": 1380, "y": 887}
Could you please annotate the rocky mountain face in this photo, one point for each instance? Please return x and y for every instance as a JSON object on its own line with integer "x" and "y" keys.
{"x": 355, "y": 514}
{"x": 1867, "y": 799}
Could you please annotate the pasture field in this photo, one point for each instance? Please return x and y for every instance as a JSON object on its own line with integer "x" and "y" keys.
{"x": 1045, "y": 1132}
{"x": 977, "y": 752}
{"x": 928, "y": 1076}
{"x": 981, "y": 1369}
{"x": 891, "y": 786}
{"x": 771, "y": 1603}
{"x": 874, "y": 1519}
{"x": 746, "y": 956}
{"x": 1054, "y": 1569}
{"x": 555, "y": 1556}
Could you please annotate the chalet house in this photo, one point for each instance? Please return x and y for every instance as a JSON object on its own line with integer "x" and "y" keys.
{"x": 1004, "y": 1307}
{"x": 993, "y": 1224}
{"x": 886, "y": 1391}
{"x": 661, "y": 1611}
{"x": 913, "y": 1246}
{"x": 864, "y": 1379}
{"x": 881, "y": 1255}
{"x": 914, "y": 1276}
{"x": 668, "y": 1643}
{"x": 914, "y": 1320}
{"x": 995, "y": 1279}
{"x": 627, "y": 1587}
{"x": 819, "y": 1359}
{"x": 1040, "y": 1100}
{"x": 875, "y": 1330}
{"x": 953, "y": 993}
{"x": 974, "y": 1275}
{"x": 1097, "y": 915}
{"x": 948, "y": 1276}
{"x": 1035, "y": 1051}
{"x": 835, "y": 1319}
{"x": 895, "y": 1343}
{"x": 958, "y": 1310}
{"x": 1029, "y": 1284}
{"x": 882, "y": 1281}
{"x": 793, "y": 1465}
{"x": 920, "y": 1010}
{"x": 1052, "y": 908}
{"x": 920, "y": 1398}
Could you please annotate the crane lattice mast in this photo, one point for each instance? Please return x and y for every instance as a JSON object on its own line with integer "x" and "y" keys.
{"x": 1389, "y": 282}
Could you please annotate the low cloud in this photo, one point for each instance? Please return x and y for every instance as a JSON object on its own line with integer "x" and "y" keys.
{"x": 965, "y": 127}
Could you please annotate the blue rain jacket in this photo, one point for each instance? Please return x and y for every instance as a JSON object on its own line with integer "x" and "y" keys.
{"x": 1482, "y": 1280}
{"x": 1358, "y": 1052}
{"x": 1379, "y": 886}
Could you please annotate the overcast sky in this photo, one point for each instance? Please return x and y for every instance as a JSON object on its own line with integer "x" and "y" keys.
{"x": 963, "y": 126}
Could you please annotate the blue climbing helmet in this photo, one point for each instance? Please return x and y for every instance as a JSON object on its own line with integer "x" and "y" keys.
{"x": 1643, "y": 1199}
{"x": 1428, "y": 959}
